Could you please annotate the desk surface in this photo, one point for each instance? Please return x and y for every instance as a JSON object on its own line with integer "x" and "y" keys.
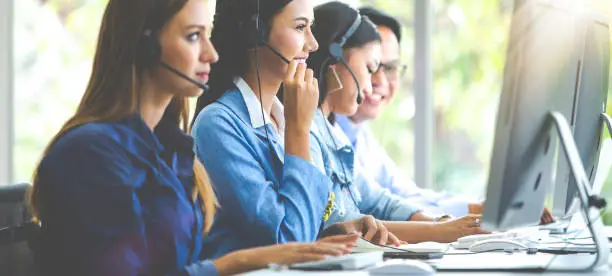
{"x": 474, "y": 260}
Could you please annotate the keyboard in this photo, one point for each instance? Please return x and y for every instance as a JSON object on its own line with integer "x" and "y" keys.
{"x": 513, "y": 262}
{"x": 423, "y": 247}
{"x": 467, "y": 241}
{"x": 346, "y": 262}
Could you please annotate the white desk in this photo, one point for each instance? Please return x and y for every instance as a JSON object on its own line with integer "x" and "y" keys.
{"x": 475, "y": 259}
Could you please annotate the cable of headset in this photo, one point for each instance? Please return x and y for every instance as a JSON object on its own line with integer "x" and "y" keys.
{"x": 344, "y": 184}
{"x": 335, "y": 52}
{"x": 261, "y": 104}
{"x": 260, "y": 38}
{"x": 329, "y": 132}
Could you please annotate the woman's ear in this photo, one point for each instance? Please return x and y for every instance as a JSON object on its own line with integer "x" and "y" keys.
{"x": 333, "y": 81}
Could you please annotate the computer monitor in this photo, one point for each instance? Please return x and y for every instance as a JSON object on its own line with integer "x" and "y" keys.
{"x": 591, "y": 98}
{"x": 540, "y": 76}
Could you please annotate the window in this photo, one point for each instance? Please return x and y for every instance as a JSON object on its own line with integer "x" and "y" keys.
{"x": 54, "y": 42}
{"x": 53, "y": 49}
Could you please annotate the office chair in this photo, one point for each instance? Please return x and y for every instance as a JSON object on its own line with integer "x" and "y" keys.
{"x": 16, "y": 230}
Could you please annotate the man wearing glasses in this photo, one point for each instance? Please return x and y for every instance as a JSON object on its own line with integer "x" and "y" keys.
{"x": 371, "y": 157}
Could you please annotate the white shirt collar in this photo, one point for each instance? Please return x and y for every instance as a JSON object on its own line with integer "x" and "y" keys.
{"x": 341, "y": 138}
{"x": 254, "y": 107}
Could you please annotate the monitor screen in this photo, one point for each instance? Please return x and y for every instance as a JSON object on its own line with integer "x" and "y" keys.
{"x": 540, "y": 76}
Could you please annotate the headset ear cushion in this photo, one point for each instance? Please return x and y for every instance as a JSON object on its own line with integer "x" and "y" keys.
{"x": 335, "y": 50}
{"x": 150, "y": 51}
{"x": 263, "y": 33}
{"x": 255, "y": 37}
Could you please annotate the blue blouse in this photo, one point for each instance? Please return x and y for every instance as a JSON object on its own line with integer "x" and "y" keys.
{"x": 266, "y": 198}
{"x": 115, "y": 199}
{"x": 354, "y": 194}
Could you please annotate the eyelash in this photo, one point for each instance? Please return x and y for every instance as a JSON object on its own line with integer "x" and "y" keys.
{"x": 190, "y": 36}
{"x": 301, "y": 27}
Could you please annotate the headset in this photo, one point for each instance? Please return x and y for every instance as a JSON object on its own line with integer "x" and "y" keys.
{"x": 335, "y": 51}
{"x": 257, "y": 32}
{"x": 257, "y": 35}
{"x": 150, "y": 49}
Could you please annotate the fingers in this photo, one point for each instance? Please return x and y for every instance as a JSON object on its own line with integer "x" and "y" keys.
{"x": 370, "y": 227}
{"x": 394, "y": 240}
{"x": 546, "y": 217}
{"x": 309, "y": 76}
{"x": 475, "y": 226}
{"x": 478, "y": 230}
{"x": 290, "y": 74}
{"x": 383, "y": 233}
{"x": 306, "y": 257}
{"x": 349, "y": 239}
{"x": 472, "y": 220}
{"x": 315, "y": 85}
{"x": 300, "y": 73}
{"x": 331, "y": 249}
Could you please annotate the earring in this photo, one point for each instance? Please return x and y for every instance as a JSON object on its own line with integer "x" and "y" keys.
{"x": 332, "y": 78}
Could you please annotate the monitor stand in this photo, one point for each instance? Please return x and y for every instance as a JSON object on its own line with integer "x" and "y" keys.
{"x": 608, "y": 121}
{"x": 586, "y": 196}
{"x": 562, "y": 225}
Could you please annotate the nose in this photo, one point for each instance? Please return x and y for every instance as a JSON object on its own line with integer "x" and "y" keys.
{"x": 379, "y": 79}
{"x": 367, "y": 86}
{"x": 209, "y": 53}
{"x": 311, "y": 43}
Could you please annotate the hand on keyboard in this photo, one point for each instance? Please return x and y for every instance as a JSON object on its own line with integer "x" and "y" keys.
{"x": 452, "y": 230}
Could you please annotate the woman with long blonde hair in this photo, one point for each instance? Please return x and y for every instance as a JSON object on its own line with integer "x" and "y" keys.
{"x": 117, "y": 191}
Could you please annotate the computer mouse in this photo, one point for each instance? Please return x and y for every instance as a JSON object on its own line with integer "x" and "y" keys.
{"x": 497, "y": 245}
{"x": 401, "y": 267}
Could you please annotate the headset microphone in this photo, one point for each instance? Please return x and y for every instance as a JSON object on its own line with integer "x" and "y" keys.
{"x": 182, "y": 75}
{"x": 275, "y": 52}
{"x": 359, "y": 99}
{"x": 260, "y": 35}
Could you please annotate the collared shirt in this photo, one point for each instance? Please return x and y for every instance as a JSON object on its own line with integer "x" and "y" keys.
{"x": 266, "y": 196}
{"x": 116, "y": 200}
{"x": 375, "y": 162}
{"x": 255, "y": 111}
{"x": 354, "y": 195}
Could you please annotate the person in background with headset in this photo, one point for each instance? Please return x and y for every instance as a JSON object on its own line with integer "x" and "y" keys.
{"x": 349, "y": 56}
{"x": 256, "y": 149}
{"x": 370, "y": 156}
{"x": 117, "y": 191}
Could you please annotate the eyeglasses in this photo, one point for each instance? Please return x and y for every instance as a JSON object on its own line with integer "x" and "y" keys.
{"x": 393, "y": 70}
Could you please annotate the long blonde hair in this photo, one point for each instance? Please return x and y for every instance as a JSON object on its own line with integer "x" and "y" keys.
{"x": 113, "y": 89}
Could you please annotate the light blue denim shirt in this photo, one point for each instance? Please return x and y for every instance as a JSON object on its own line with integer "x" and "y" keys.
{"x": 266, "y": 197}
{"x": 354, "y": 194}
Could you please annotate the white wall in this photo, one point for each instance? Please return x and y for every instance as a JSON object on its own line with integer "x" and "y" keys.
{"x": 6, "y": 91}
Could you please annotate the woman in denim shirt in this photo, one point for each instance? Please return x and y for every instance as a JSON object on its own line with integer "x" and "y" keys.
{"x": 117, "y": 191}
{"x": 333, "y": 152}
{"x": 255, "y": 148}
